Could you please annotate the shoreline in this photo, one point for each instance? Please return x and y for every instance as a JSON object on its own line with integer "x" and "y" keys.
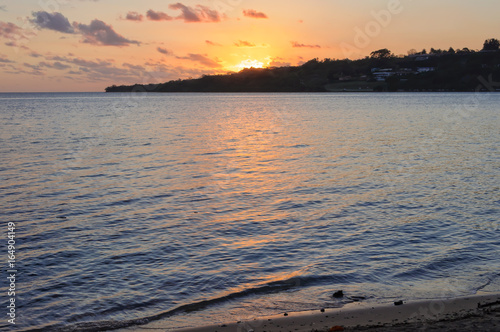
{"x": 290, "y": 92}
{"x": 478, "y": 312}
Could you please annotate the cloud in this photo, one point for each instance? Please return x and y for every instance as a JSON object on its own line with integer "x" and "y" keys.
{"x": 198, "y": 14}
{"x": 100, "y": 33}
{"x": 254, "y": 14}
{"x": 299, "y": 45}
{"x": 99, "y": 64}
{"x": 56, "y": 58}
{"x": 95, "y": 33}
{"x": 158, "y": 16}
{"x": 278, "y": 62}
{"x": 56, "y": 65}
{"x": 243, "y": 43}
{"x": 34, "y": 54}
{"x": 9, "y": 30}
{"x": 201, "y": 59}
{"x": 211, "y": 43}
{"x": 3, "y": 8}
{"x": 19, "y": 70}
{"x": 3, "y": 59}
{"x": 106, "y": 72}
{"x": 134, "y": 16}
{"x": 93, "y": 70}
{"x": 35, "y": 70}
{"x": 134, "y": 67}
{"x": 12, "y": 32}
{"x": 14, "y": 35}
{"x": 52, "y": 21}
{"x": 34, "y": 67}
{"x": 163, "y": 51}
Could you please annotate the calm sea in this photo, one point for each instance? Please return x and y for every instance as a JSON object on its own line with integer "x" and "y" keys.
{"x": 204, "y": 208}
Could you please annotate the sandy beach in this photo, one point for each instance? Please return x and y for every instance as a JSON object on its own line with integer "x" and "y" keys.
{"x": 473, "y": 313}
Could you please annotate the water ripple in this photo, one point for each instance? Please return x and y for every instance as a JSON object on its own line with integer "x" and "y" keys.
{"x": 220, "y": 207}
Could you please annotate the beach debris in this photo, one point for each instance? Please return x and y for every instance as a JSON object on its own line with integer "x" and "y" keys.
{"x": 336, "y": 328}
{"x": 398, "y": 302}
{"x": 357, "y": 298}
{"x": 479, "y": 305}
{"x": 338, "y": 294}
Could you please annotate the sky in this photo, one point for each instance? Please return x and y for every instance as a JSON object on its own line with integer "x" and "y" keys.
{"x": 87, "y": 45}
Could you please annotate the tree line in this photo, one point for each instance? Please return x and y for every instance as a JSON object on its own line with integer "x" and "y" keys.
{"x": 433, "y": 70}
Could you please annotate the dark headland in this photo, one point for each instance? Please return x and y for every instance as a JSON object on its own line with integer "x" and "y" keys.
{"x": 437, "y": 70}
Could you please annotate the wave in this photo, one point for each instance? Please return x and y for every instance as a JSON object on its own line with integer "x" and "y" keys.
{"x": 263, "y": 289}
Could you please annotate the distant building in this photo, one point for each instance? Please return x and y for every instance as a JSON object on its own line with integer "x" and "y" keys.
{"x": 381, "y": 74}
{"x": 420, "y": 57}
{"x": 425, "y": 69}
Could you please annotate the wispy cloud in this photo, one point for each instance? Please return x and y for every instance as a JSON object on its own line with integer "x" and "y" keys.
{"x": 105, "y": 71}
{"x": 3, "y": 59}
{"x": 100, "y": 33}
{"x": 31, "y": 66}
{"x": 254, "y": 14}
{"x": 35, "y": 54}
{"x": 135, "y": 68}
{"x": 244, "y": 43}
{"x": 14, "y": 34}
{"x": 134, "y": 16}
{"x": 55, "y": 65}
{"x": 93, "y": 70}
{"x": 158, "y": 16}
{"x": 188, "y": 14}
{"x": 201, "y": 59}
{"x": 164, "y": 51}
{"x": 81, "y": 62}
{"x": 9, "y": 30}
{"x": 299, "y": 45}
{"x": 211, "y": 43}
{"x": 278, "y": 62}
{"x": 52, "y": 21}
{"x": 198, "y": 14}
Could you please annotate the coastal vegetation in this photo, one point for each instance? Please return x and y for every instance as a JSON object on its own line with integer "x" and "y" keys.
{"x": 433, "y": 70}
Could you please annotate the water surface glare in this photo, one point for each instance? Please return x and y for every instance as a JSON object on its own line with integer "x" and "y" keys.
{"x": 204, "y": 208}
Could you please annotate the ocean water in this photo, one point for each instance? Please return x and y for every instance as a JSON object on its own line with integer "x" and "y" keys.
{"x": 197, "y": 209}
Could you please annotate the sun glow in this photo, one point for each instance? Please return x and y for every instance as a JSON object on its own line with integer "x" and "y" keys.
{"x": 249, "y": 64}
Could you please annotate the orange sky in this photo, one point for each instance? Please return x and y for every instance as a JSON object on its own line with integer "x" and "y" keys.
{"x": 86, "y": 45}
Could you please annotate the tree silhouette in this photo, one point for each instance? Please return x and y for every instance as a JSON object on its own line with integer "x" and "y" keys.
{"x": 452, "y": 70}
{"x": 381, "y": 54}
{"x": 491, "y": 45}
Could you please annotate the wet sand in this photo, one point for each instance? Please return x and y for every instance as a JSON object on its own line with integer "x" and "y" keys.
{"x": 474, "y": 313}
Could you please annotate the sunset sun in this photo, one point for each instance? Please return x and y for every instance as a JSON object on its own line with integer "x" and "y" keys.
{"x": 248, "y": 63}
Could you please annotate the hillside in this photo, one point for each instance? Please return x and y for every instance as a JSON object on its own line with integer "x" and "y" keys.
{"x": 462, "y": 70}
